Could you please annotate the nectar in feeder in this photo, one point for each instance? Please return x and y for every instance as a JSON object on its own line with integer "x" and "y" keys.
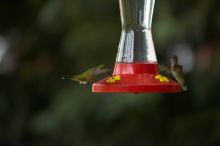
{"x": 136, "y": 68}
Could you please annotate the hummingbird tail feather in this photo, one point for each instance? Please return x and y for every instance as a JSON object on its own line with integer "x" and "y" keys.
{"x": 70, "y": 78}
{"x": 83, "y": 82}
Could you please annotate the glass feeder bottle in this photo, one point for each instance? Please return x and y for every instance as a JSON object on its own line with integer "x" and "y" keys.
{"x": 136, "y": 64}
{"x": 136, "y": 43}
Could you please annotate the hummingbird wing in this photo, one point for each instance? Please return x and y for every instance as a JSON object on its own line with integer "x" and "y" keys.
{"x": 94, "y": 68}
{"x": 164, "y": 68}
{"x": 100, "y": 66}
{"x": 102, "y": 71}
{"x": 89, "y": 75}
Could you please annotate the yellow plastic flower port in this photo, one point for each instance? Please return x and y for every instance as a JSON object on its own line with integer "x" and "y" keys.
{"x": 164, "y": 79}
{"x": 117, "y": 77}
{"x": 158, "y": 77}
{"x": 161, "y": 78}
{"x": 113, "y": 79}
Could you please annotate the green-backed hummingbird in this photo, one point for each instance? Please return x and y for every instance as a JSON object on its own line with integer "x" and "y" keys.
{"x": 90, "y": 75}
{"x": 177, "y": 72}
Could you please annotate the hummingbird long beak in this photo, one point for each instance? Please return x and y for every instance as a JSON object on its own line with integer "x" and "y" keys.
{"x": 110, "y": 75}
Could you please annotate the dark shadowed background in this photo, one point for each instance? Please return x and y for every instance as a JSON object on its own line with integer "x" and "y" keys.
{"x": 44, "y": 40}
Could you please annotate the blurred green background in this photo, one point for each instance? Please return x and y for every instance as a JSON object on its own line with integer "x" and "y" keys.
{"x": 44, "y": 40}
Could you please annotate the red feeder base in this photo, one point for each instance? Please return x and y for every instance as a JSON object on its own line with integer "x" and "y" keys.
{"x": 136, "y": 78}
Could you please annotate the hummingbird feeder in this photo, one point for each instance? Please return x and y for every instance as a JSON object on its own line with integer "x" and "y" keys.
{"x": 136, "y": 69}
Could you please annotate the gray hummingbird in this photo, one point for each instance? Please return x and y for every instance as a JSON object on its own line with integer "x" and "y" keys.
{"x": 177, "y": 72}
{"x": 89, "y": 75}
